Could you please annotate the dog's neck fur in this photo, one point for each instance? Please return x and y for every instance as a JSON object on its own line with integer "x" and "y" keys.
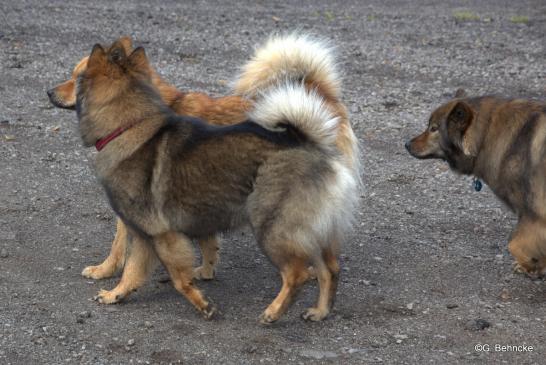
{"x": 126, "y": 144}
{"x": 469, "y": 158}
{"x": 486, "y": 164}
{"x": 143, "y": 125}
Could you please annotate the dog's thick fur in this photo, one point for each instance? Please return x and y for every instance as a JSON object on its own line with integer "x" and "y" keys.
{"x": 172, "y": 178}
{"x": 302, "y": 58}
{"x": 220, "y": 111}
{"x": 503, "y": 142}
{"x": 289, "y": 58}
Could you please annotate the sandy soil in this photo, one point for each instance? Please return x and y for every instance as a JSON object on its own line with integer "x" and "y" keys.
{"x": 426, "y": 269}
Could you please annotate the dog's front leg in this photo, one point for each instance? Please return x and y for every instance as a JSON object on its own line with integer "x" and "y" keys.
{"x": 176, "y": 253}
{"x": 141, "y": 260}
{"x": 115, "y": 259}
{"x": 528, "y": 246}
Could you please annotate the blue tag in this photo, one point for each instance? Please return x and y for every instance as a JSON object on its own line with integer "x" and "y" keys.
{"x": 477, "y": 184}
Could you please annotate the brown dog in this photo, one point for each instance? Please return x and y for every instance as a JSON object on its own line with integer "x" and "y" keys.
{"x": 294, "y": 57}
{"x": 503, "y": 142}
{"x": 172, "y": 178}
{"x": 220, "y": 111}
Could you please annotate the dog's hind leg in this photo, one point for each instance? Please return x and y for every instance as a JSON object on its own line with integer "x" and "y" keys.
{"x": 115, "y": 260}
{"x": 294, "y": 272}
{"x": 176, "y": 253}
{"x": 327, "y": 272}
{"x": 210, "y": 256}
{"x": 141, "y": 259}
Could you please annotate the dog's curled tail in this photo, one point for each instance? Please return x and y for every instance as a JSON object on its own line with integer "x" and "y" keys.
{"x": 303, "y": 109}
{"x": 295, "y": 57}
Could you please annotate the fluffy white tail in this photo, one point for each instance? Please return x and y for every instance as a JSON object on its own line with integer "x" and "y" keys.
{"x": 294, "y": 57}
{"x": 305, "y": 110}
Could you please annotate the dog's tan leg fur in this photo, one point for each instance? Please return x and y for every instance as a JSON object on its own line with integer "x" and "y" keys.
{"x": 294, "y": 273}
{"x": 327, "y": 274}
{"x": 176, "y": 253}
{"x": 528, "y": 246}
{"x": 141, "y": 260}
{"x": 115, "y": 260}
{"x": 209, "y": 252}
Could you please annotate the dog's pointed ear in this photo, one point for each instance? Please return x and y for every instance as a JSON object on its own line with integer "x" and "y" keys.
{"x": 127, "y": 44}
{"x": 116, "y": 53}
{"x": 460, "y": 93}
{"x": 459, "y": 119}
{"x": 96, "y": 56}
{"x": 461, "y": 115}
{"x": 139, "y": 60}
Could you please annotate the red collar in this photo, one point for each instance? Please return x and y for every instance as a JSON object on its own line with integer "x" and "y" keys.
{"x": 101, "y": 143}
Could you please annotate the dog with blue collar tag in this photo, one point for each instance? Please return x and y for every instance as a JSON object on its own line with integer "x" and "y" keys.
{"x": 502, "y": 142}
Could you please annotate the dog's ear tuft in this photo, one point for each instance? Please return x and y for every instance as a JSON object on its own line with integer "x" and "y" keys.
{"x": 139, "y": 60}
{"x": 461, "y": 93}
{"x": 127, "y": 44}
{"x": 97, "y": 55}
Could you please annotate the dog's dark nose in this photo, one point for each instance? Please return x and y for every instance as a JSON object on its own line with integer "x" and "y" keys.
{"x": 50, "y": 93}
{"x": 407, "y": 145}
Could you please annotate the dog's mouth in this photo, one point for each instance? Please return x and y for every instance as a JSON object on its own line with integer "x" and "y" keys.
{"x": 63, "y": 106}
{"x": 425, "y": 157}
{"x": 67, "y": 107}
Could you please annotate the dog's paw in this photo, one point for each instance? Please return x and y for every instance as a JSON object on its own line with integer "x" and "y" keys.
{"x": 209, "y": 311}
{"x": 107, "y": 297}
{"x": 314, "y": 314}
{"x": 203, "y": 273}
{"x": 267, "y": 317}
{"x": 518, "y": 268}
{"x": 96, "y": 272}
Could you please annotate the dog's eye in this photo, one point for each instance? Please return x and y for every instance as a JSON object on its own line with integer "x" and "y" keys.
{"x": 433, "y": 128}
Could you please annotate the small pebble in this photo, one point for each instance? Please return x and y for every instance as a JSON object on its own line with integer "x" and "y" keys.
{"x": 505, "y": 295}
{"x": 131, "y": 342}
{"x": 250, "y": 349}
{"x": 477, "y": 324}
{"x": 4, "y": 253}
{"x": 84, "y": 314}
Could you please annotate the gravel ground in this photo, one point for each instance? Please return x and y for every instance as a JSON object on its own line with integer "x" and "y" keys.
{"x": 426, "y": 274}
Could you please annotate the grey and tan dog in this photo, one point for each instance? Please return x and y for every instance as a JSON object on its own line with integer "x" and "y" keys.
{"x": 288, "y": 57}
{"x": 172, "y": 178}
{"x": 503, "y": 142}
